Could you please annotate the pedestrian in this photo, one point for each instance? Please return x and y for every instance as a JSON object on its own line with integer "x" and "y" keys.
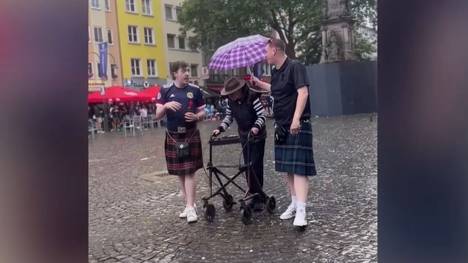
{"x": 183, "y": 105}
{"x": 144, "y": 115}
{"x": 244, "y": 106}
{"x": 293, "y": 130}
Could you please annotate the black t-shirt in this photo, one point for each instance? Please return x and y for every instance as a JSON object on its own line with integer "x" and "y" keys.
{"x": 191, "y": 99}
{"x": 284, "y": 84}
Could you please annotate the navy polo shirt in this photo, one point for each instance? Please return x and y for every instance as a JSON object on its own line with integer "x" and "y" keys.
{"x": 285, "y": 81}
{"x": 189, "y": 96}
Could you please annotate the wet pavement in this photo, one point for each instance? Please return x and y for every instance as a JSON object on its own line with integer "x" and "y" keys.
{"x": 134, "y": 207}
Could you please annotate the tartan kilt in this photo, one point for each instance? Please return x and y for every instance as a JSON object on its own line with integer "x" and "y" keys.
{"x": 190, "y": 164}
{"x": 295, "y": 155}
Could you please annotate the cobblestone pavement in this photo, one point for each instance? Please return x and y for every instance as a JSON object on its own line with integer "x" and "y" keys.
{"x": 133, "y": 210}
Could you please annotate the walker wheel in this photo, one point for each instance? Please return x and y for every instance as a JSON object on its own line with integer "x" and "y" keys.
{"x": 301, "y": 228}
{"x": 228, "y": 202}
{"x": 210, "y": 212}
{"x": 271, "y": 204}
{"x": 246, "y": 215}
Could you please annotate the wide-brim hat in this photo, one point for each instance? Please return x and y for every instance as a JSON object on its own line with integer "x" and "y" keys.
{"x": 232, "y": 85}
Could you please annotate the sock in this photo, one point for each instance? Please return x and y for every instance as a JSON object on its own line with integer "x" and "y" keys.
{"x": 293, "y": 200}
{"x": 300, "y": 206}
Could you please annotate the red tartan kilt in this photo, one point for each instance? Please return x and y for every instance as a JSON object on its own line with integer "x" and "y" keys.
{"x": 189, "y": 165}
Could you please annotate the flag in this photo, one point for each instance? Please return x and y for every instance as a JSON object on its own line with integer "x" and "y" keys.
{"x": 103, "y": 59}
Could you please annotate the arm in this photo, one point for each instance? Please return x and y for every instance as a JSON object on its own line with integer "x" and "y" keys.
{"x": 258, "y": 107}
{"x": 302, "y": 97}
{"x": 201, "y": 112}
{"x": 227, "y": 121}
{"x": 160, "y": 111}
{"x": 261, "y": 84}
{"x": 301, "y": 84}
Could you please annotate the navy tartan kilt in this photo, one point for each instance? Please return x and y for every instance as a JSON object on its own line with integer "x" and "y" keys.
{"x": 295, "y": 155}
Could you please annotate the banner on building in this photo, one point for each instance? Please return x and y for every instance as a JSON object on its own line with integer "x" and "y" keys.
{"x": 103, "y": 60}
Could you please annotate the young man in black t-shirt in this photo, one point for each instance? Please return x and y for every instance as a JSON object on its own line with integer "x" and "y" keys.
{"x": 293, "y": 131}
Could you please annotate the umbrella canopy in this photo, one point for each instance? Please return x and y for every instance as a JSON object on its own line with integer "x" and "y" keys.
{"x": 115, "y": 94}
{"x": 95, "y": 97}
{"x": 121, "y": 94}
{"x": 242, "y": 52}
{"x": 150, "y": 93}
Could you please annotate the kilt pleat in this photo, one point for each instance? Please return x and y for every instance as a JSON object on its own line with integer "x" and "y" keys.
{"x": 295, "y": 155}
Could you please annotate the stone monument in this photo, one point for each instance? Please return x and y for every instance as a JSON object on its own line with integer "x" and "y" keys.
{"x": 337, "y": 33}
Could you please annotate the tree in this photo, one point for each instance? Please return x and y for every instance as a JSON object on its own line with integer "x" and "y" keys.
{"x": 297, "y": 22}
{"x": 364, "y": 14}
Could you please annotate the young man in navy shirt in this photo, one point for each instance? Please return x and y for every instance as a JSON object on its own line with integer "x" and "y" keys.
{"x": 184, "y": 106}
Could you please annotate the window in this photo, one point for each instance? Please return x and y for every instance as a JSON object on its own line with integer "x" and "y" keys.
{"x": 146, "y": 7}
{"x": 130, "y": 6}
{"x": 151, "y": 65}
{"x": 171, "y": 41}
{"x": 132, "y": 34}
{"x": 182, "y": 42}
{"x": 90, "y": 70}
{"x": 192, "y": 44}
{"x": 107, "y": 4}
{"x": 135, "y": 67}
{"x": 95, "y": 3}
{"x": 98, "y": 34}
{"x": 178, "y": 10}
{"x": 149, "y": 35}
{"x": 109, "y": 36}
{"x": 89, "y": 38}
{"x": 194, "y": 70}
{"x": 168, "y": 9}
{"x": 114, "y": 71}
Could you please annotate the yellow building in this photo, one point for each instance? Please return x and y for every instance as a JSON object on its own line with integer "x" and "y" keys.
{"x": 142, "y": 43}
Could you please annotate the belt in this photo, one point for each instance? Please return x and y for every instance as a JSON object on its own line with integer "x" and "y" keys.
{"x": 184, "y": 132}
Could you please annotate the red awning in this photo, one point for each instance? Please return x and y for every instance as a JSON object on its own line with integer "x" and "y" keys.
{"x": 115, "y": 94}
{"x": 150, "y": 93}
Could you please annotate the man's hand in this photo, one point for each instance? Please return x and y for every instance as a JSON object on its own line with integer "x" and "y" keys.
{"x": 191, "y": 117}
{"x": 295, "y": 127}
{"x": 253, "y": 80}
{"x": 216, "y": 132}
{"x": 173, "y": 105}
{"x": 254, "y": 130}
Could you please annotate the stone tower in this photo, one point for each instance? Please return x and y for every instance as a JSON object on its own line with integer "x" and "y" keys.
{"x": 337, "y": 33}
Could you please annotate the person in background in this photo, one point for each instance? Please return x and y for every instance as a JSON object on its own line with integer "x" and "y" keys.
{"x": 144, "y": 115}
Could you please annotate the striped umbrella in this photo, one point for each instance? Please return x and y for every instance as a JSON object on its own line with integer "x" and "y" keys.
{"x": 242, "y": 52}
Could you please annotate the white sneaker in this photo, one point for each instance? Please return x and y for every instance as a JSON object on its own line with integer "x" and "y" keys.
{"x": 184, "y": 213}
{"x": 289, "y": 213}
{"x": 300, "y": 219}
{"x": 191, "y": 215}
